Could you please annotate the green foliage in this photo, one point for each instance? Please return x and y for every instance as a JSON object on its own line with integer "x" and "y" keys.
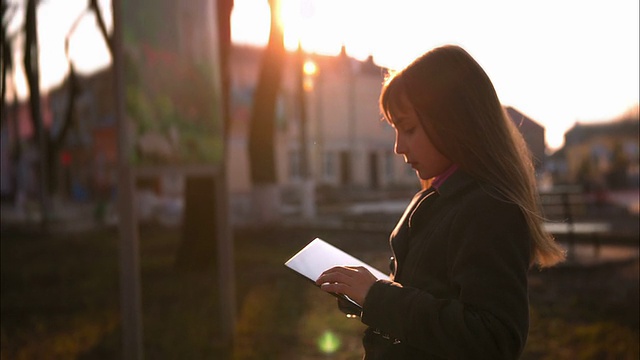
{"x": 139, "y": 108}
{"x": 173, "y": 98}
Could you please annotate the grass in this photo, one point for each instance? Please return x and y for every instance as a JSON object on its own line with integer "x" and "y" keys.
{"x": 59, "y": 295}
{"x": 59, "y": 300}
{"x": 585, "y": 313}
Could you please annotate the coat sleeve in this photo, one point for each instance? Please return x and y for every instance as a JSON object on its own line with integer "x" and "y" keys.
{"x": 488, "y": 259}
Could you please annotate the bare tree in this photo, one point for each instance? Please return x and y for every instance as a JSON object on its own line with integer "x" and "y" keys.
{"x": 263, "y": 119}
{"x": 56, "y": 143}
{"x": 6, "y": 14}
{"x": 32, "y": 71}
{"x": 93, "y": 7}
{"x": 49, "y": 144}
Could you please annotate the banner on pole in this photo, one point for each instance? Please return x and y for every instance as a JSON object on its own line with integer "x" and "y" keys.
{"x": 172, "y": 82}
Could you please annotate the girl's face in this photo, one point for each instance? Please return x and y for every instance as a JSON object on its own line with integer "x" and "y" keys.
{"x": 413, "y": 143}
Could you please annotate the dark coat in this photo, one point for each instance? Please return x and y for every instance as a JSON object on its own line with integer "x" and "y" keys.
{"x": 459, "y": 289}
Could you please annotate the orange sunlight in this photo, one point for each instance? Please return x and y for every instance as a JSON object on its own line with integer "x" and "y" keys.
{"x": 557, "y": 62}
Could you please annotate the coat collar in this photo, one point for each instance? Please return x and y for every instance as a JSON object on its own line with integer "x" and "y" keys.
{"x": 458, "y": 181}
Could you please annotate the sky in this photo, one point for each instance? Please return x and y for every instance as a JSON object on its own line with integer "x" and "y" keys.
{"x": 557, "y": 61}
{"x": 87, "y": 49}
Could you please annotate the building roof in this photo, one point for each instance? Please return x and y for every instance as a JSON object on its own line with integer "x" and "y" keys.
{"x": 521, "y": 120}
{"x": 582, "y": 132}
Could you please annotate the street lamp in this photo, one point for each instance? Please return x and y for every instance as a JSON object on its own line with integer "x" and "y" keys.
{"x": 310, "y": 70}
{"x": 313, "y": 84}
{"x": 307, "y": 188}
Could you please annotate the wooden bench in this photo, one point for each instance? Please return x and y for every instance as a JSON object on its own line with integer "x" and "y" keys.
{"x": 567, "y": 209}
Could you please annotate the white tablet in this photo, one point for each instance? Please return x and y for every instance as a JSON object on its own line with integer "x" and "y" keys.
{"x": 319, "y": 256}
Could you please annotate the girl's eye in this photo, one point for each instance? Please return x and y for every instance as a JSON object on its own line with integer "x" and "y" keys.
{"x": 410, "y": 130}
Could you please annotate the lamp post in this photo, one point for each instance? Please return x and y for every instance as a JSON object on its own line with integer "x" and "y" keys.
{"x": 314, "y": 84}
{"x": 307, "y": 188}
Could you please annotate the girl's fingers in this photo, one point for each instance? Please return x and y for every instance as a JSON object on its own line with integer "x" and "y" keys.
{"x": 336, "y": 274}
{"x": 332, "y": 278}
{"x": 351, "y": 281}
{"x": 338, "y": 288}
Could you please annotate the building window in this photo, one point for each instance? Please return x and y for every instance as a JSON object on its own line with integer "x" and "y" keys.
{"x": 631, "y": 150}
{"x": 295, "y": 172}
{"x": 388, "y": 165}
{"x": 329, "y": 165}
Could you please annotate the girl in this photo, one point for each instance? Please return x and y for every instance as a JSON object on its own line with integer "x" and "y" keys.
{"x": 462, "y": 249}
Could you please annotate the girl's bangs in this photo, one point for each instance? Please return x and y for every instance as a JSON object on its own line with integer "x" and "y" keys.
{"x": 390, "y": 96}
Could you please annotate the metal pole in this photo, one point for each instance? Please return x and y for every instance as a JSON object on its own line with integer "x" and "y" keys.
{"x": 226, "y": 263}
{"x": 319, "y": 127}
{"x": 302, "y": 111}
{"x": 225, "y": 250}
{"x": 130, "y": 298}
{"x": 307, "y": 193}
{"x": 352, "y": 121}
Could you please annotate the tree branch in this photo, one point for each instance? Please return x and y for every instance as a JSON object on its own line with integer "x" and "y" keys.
{"x": 74, "y": 88}
{"x": 93, "y": 5}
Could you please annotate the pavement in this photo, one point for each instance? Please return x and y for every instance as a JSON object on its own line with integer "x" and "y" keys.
{"x": 579, "y": 253}
{"x": 606, "y": 238}
{"x": 372, "y": 216}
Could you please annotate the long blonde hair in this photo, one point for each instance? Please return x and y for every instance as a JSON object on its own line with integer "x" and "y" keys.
{"x": 462, "y": 115}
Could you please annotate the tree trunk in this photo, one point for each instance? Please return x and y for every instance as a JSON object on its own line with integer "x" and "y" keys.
{"x": 93, "y": 6}
{"x": 16, "y": 153}
{"x": 6, "y": 54}
{"x": 198, "y": 246}
{"x": 33, "y": 81}
{"x": 262, "y": 129}
{"x": 56, "y": 145}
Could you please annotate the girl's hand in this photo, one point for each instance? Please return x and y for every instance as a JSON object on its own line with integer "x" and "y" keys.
{"x": 354, "y": 282}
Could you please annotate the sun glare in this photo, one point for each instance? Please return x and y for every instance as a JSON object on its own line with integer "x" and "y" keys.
{"x": 290, "y": 18}
{"x": 301, "y": 25}
{"x": 250, "y": 22}
{"x": 310, "y": 67}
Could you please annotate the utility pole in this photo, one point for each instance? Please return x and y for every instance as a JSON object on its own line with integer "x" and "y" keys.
{"x": 130, "y": 290}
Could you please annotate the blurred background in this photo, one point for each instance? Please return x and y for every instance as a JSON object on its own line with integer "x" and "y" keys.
{"x": 247, "y": 128}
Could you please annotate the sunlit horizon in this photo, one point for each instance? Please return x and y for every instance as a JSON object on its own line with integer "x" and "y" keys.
{"x": 557, "y": 62}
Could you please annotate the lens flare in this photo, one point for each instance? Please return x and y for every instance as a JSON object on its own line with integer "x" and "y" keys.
{"x": 328, "y": 343}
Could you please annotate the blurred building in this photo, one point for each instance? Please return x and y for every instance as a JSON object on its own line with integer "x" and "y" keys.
{"x": 20, "y": 157}
{"x": 603, "y": 154}
{"x": 350, "y": 146}
{"x": 533, "y": 134}
{"x": 88, "y": 159}
{"x": 86, "y": 162}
